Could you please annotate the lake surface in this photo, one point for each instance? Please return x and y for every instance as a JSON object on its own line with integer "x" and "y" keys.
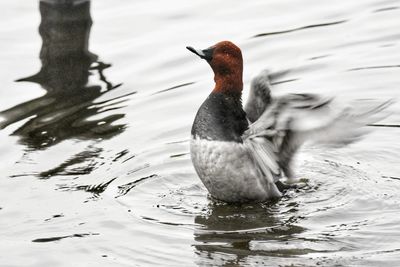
{"x": 96, "y": 105}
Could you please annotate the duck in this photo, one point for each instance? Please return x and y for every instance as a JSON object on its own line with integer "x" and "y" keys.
{"x": 242, "y": 153}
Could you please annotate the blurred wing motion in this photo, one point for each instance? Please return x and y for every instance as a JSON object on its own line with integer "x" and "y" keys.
{"x": 291, "y": 120}
{"x": 259, "y": 96}
{"x": 263, "y": 153}
{"x": 260, "y": 93}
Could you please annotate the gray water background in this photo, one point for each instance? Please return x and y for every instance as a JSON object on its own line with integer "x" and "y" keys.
{"x": 94, "y": 160}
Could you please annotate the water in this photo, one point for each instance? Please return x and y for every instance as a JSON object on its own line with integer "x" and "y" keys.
{"x": 94, "y": 149}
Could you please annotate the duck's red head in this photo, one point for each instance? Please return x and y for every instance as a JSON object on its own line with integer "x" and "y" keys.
{"x": 225, "y": 59}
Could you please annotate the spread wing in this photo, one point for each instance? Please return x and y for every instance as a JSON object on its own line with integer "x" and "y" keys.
{"x": 291, "y": 120}
{"x": 259, "y": 97}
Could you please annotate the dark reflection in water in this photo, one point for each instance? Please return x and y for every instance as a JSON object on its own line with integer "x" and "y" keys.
{"x": 228, "y": 232}
{"x": 64, "y": 111}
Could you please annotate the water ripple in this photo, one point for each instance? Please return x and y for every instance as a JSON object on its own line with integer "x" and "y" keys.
{"x": 300, "y": 28}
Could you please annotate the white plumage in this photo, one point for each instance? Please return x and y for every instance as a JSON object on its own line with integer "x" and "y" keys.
{"x": 230, "y": 173}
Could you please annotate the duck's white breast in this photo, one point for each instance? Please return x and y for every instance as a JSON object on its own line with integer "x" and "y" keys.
{"x": 228, "y": 170}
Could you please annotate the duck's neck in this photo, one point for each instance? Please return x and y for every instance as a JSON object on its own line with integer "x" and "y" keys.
{"x": 229, "y": 82}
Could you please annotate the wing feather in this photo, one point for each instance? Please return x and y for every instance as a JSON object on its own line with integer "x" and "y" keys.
{"x": 294, "y": 119}
{"x": 263, "y": 155}
{"x": 259, "y": 96}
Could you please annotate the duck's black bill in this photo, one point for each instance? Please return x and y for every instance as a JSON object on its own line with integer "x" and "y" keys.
{"x": 204, "y": 54}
